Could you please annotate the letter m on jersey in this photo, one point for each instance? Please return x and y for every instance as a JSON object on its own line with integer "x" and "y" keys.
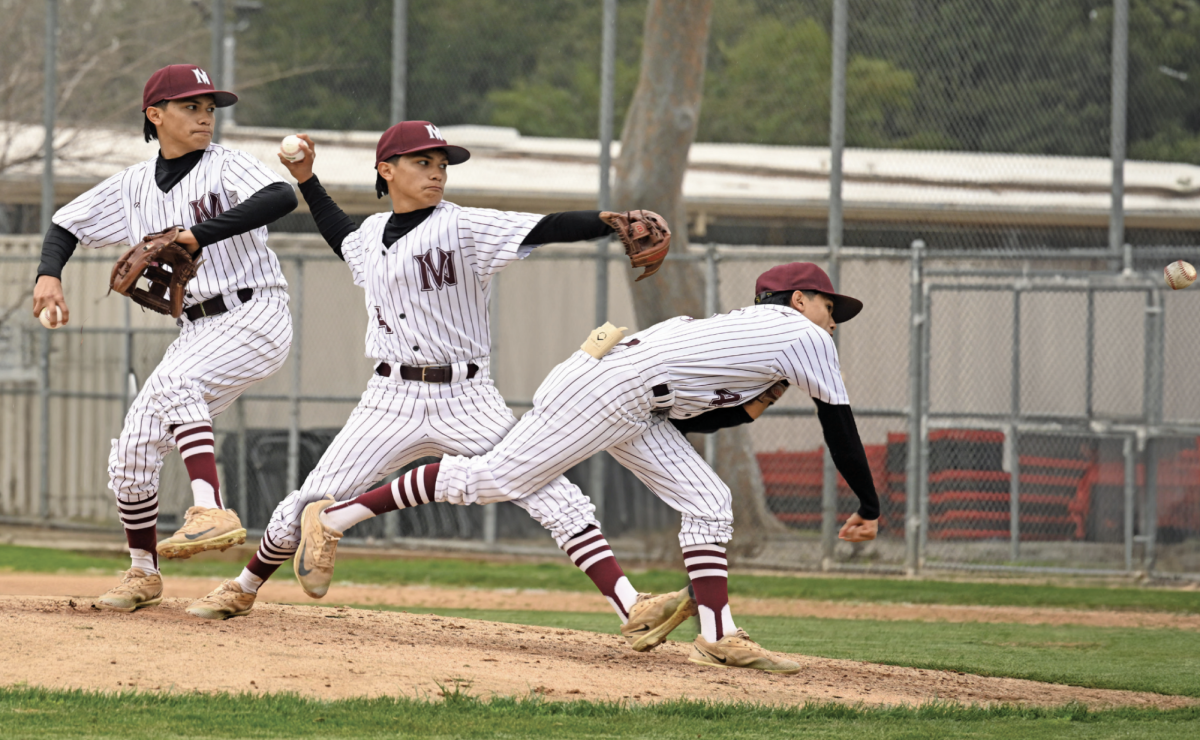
{"x": 202, "y": 211}
{"x": 437, "y": 269}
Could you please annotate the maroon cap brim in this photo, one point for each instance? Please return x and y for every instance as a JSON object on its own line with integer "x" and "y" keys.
{"x": 221, "y": 98}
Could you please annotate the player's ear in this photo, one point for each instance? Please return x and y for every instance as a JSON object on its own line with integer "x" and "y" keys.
{"x": 155, "y": 115}
{"x": 798, "y": 300}
{"x": 385, "y": 170}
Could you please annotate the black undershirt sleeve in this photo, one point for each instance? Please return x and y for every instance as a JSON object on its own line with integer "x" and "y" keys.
{"x": 57, "y": 248}
{"x": 846, "y": 449}
{"x": 332, "y": 221}
{"x": 266, "y": 206}
{"x": 568, "y": 226}
{"x": 711, "y": 421}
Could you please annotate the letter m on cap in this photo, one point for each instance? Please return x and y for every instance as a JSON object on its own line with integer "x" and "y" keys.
{"x": 433, "y": 132}
{"x": 201, "y": 76}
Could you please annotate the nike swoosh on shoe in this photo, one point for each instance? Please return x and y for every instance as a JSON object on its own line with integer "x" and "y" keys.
{"x": 643, "y": 628}
{"x": 199, "y": 534}
{"x": 300, "y": 569}
{"x": 719, "y": 660}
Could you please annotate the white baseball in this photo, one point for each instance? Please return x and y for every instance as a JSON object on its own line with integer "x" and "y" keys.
{"x": 45, "y": 317}
{"x": 1179, "y": 275}
{"x": 291, "y": 148}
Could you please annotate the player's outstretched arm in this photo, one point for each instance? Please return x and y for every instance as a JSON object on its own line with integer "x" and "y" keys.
{"x": 333, "y": 223}
{"x": 850, "y": 459}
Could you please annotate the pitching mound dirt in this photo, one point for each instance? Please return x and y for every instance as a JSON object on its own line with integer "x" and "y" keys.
{"x": 434, "y": 597}
{"x": 335, "y": 652}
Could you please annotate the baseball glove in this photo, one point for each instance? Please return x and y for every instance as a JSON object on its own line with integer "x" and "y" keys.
{"x": 152, "y": 258}
{"x": 645, "y": 235}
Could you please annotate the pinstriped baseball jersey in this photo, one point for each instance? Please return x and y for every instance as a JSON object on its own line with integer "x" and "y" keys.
{"x": 427, "y": 294}
{"x": 731, "y": 358}
{"x": 129, "y": 205}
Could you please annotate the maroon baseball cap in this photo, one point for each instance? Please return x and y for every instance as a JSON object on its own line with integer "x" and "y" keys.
{"x": 806, "y": 276}
{"x": 179, "y": 81}
{"x": 407, "y": 137}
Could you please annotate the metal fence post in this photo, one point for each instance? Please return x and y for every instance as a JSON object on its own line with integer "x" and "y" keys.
{"x": 243, "y": 497}
{"x": 1014, "y": 461}
{"x": 1155, "y": 341}
{"x": 399, "y": 59}
{"x": 49, "y": 104}
{"x": 293, "y": 458}
{"x": 913, "y": 466}
{"x": 1090, "y": 370}
{"x": 1129, "y": 451}
{"x": 923, "y": 457}
{"x": 1120, "y": 83}
{"x": 216, "y": 71}
{"x": 128, "y": 388}
{"x": 44, "y": 431}
{"x": 837, "y": 145}
{"x": 608, "y": 56}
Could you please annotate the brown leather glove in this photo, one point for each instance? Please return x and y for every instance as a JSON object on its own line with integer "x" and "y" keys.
{"x": 646, "y": 237}
{"x": 152, "y": 258}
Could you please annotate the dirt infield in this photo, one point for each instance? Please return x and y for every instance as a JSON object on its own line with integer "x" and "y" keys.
{"x": 86, "y": 586}
{"x": 333, "y": 652}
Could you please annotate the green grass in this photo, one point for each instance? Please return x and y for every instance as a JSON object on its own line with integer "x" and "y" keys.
{"x": 1162, "y": 661}
{"x": 37, "y": 713}
{"x": 564, "y": 577}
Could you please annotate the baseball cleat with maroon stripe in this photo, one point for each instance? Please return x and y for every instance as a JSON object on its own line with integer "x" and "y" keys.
{"x": 204, "y": 529}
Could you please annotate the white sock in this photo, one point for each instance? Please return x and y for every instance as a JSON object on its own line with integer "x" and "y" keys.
{"x": 249, "y": 582}
{"x": 628, "y": 597}
{"x": 143, "y": 559}
{"x": 708, "y": 623}
{"x": 203, "y": 494}
{"x": 343, "y": 518}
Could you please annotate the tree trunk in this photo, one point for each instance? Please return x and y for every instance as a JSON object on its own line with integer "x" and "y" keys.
{"x": 659, "y": 130}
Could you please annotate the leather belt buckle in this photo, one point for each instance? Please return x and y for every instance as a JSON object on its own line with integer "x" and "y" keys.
{"x": 424, "y": 369}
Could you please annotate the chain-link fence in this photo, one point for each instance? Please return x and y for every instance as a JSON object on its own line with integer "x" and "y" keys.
{"x": 1057, "y": 424}
{"x": 1048, "y": 389}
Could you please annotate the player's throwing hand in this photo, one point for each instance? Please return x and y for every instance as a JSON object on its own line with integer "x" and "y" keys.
{"x": 301, "y": 169}
{"x": 857, "y": 529}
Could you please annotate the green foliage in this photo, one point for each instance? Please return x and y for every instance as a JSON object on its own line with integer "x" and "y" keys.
{"x": 42, "y": 713}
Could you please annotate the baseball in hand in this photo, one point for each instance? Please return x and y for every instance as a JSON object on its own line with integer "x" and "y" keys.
{"x": 292, "y": 149}
{"x": 44, "y": 317}
{"x": 1179, "y": 275}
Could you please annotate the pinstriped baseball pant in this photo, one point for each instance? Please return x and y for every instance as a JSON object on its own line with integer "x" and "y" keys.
{"x": 398, "y": 421}
{"x": 585, "y": 406}
{"x": 212, "y": 362}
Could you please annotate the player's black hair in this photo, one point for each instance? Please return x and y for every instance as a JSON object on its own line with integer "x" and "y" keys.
{"x": 148, "y": 128}
{"x": 380, "y": 183}
{"x": 782, "y": 297}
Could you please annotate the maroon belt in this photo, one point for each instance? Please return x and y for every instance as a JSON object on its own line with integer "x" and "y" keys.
{"x": 428, "y": 374}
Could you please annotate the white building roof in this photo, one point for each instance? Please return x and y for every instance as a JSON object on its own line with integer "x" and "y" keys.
{"x": 517, "y": 172}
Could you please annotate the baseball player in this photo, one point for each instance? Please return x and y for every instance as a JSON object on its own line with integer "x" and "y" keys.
{"x": 426, "y": 267}
{"x": 235, "y": 328}
{"x": 635, "y": 402}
